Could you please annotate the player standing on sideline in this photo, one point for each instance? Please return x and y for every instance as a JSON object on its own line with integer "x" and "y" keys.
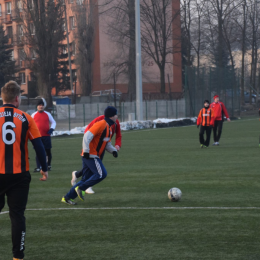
{"x": 206, "y": 122}
{"x": 43, "y": 119}
{"x": 219, "y": 112}
{"x": 118, "y": 143}
{"x": 16, "y": 127}
{"x": 95, "y": 141}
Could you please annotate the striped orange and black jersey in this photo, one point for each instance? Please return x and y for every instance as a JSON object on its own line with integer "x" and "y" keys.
{"x": 16, "y": 127}
{"x": 206, "y": 117}
{"x": 96, "y": 138}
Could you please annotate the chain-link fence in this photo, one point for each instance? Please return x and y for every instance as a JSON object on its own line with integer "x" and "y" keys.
{"x": 203, "y": 83}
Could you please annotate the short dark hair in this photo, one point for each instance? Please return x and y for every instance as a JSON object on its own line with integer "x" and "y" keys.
{"x": 10, "y": 91}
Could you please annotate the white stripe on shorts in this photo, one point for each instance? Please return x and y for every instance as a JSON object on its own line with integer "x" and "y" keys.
{"x": 98, "y": 167}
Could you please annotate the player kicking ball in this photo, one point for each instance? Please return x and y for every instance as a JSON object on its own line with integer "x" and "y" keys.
{"x": 118, "y": 143}
{"x": 95, "y": 141}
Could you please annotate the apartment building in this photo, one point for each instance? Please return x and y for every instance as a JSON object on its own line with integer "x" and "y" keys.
{"x": 11, "y": 15}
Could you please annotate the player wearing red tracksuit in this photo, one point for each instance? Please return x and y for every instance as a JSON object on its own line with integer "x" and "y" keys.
{"x": 219, "y": 111}
{"x": 118, "y": 142}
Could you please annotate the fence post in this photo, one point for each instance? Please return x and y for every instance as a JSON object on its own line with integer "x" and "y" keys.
{"x": 176, "y": 108}
{"x": 135, "y": 111}
{"x": 123, "y": 111}
{"x": 69, "y": 115}
{"x": 97, "y": 109}
{"x": 84, "y": 115}
{"x": 156, "y": 110}
{"x": 167, "y": 108}
{"x": 186, "y": 92}
{"x": 146, "y": 109}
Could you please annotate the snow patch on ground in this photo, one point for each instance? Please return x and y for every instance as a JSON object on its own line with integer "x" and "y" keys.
{"x": 137, "y": 125}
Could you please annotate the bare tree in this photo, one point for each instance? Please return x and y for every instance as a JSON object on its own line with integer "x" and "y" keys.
{"x": 42, "y": 25}
{"x": 157, "y": 18}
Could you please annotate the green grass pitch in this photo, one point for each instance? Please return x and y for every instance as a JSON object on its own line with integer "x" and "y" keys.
{"x": 149, "y": 164}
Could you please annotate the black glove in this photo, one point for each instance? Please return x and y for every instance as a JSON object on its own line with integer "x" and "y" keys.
{"x": 115, "y": 154}
{"x": 50, "y": 131}
{"x": 86, "y": 155}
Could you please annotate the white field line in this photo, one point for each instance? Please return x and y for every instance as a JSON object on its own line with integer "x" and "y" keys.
{"x": 141, "y": 208}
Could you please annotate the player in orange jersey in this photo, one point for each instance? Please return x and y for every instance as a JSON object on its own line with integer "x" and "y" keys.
{"x": 95, "y": 141}
{"x": 16, "y": 127}
{"x": 118, "y": 143}
{"x": 206, "y": 122}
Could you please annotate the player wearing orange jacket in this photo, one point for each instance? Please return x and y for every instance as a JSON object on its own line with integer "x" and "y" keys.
{"x": 219, "y": 112}
{"x": 95, "y": 141}
{"x": 115, "y": 129}
{"x": 206, "y": 122}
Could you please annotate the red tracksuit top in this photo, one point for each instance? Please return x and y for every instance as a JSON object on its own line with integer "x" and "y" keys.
{"x": 219, "y": 108}
{"x": 115, "y": 129}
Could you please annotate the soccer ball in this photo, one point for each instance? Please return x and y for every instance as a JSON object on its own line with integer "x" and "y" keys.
{"x": 174, "y": 194}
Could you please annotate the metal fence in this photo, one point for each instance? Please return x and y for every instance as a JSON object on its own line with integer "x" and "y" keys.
{"x": 78, "y": 115}
{"x": 203, "y": 83}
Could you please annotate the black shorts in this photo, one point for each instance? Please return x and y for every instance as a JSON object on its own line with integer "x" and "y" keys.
{"x": 46, "y": 140}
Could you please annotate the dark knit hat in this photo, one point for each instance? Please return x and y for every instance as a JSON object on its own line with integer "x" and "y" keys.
{"x": 110, "y": 111}
{"x": 40, "y": 102}
{"x": 206, "y": 101}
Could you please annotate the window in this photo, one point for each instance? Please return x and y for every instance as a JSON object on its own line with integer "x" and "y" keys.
{"x": 74, "y": 76}
{"x": 30, "y": 4}
{"x": 20, "y": 6}
{"x": 22, "y": 77}
{"x": 21, "y": 54}
{"x": 32, "y": 29}
{"x": 9, "y": 31}
{"x": 12, "y": 55}
{"x": 73, "y": 48}
{"x": 71, "y": 1}
{"x": 64, "y": 50}
{"x": 20, "y": 29}
{"x": 33, "y": 53}
{"x": 72, "y": 22}
{"x": 64, "y": 25}
{"x": 0, "y": 10}
{"x": 8, "y": 8}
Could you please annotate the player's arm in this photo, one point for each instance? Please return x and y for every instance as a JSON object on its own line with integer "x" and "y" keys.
{"x": 118, "y": 142}
{"x": 52, "y": 122}
{"x": 225, "y": 112}
{"x": 199, "y": 118}
{"x": 111, "y": 149}
{"x": 35, "y": 138}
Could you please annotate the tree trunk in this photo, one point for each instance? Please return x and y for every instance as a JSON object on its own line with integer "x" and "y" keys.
{"x": 162, "y": 78}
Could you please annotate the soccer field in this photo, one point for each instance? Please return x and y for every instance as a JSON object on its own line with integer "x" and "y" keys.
{"x": 130, "y": 215}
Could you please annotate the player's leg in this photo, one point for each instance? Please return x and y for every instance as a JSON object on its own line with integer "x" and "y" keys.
{"x": 95, "y": 173}
{"x": 208, "y": 134}
{"x": 90, "y": 190}
{"x": 38, "y": 165}
{"x": 75, "y": 175}
{"x": 17, "y": 196}
{"x": 220, "y": 125}
{"x": 2, "y": 191}
{"x": 215, "y": 132}
{"x": 49, "y": 156}
{"x": 201, "y": 135}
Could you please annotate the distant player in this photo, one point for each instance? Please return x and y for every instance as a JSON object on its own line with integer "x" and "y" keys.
{"x": 206, "y": 122}
{"x": 16, "y": 127}
{"x": 219, "y": 112}
{"x": 95, "y": 141}
{"x": 43, "y": 120}
{"x": 115, "y": 129}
